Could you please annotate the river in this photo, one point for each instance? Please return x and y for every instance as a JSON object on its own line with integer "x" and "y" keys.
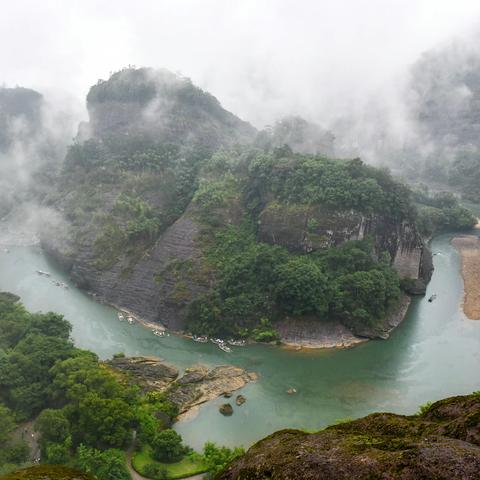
{"x": 433, "y": 354}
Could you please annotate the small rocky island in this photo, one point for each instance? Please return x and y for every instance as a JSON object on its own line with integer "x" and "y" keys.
{"x": 197, "y": 385}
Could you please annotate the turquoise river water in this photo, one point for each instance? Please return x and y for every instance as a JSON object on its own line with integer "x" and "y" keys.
{"x": 434, "y": 353}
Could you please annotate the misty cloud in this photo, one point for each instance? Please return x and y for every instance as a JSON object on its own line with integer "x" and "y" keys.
{"x": 263, "y": 60}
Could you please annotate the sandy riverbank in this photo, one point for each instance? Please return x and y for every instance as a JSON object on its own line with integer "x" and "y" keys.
{"x": 469, "y": 248}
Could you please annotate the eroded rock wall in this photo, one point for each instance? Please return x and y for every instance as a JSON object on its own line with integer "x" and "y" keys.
{"x": 304, "y": 229}
{"x": 137, "y": 288}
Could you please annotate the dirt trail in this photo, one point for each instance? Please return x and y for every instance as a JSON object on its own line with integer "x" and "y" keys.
{"x": 26, "y": 432}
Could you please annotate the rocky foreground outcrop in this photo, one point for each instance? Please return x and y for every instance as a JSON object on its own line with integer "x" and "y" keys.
{"x": 443, "y": 443}
{"x": 198, "y": 384}
{"x": 47, "y": 472}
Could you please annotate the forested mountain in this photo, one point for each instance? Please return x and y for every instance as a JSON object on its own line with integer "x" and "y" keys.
{"x": 161, "y": 107}
{"x": 20, "y": 115}
{"x": 33, "y": 141}
{"x": 445, "y": 103}
{"x": 179, "y": 213}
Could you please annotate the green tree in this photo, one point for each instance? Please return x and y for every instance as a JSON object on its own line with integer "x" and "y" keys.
{"x": 167, "y": 446}
{"x": 14, "y": 321}
{"x": 155, "y": 471}
{"x": 7, "y": 423}
{"x": 101, "y": 422}
{"x": 217, "y": 458}
{"x": 58, "y": 453}
{"x": 25, "y": 373}
{"x": 53, "y": 427}
{"x": 105, "y": 465}
{"x": 51, "y": 325}
{"x": 302, "y": 287}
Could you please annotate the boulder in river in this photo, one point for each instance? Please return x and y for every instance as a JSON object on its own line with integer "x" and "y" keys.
{"x": 226, "y": 409}
{"x": 240, "y": 400}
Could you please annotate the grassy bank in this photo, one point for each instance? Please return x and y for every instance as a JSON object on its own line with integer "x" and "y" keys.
{"x": 191, "y": 464}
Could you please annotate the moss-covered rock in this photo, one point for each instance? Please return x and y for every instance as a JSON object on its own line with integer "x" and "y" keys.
{"x": 441, "y": 443}
{"x": 47, "y": 472}
{"x": 226, "y": 409}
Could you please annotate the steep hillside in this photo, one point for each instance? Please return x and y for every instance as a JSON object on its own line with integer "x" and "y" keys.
{"x": 20, "y": 114}
{"x": 446, "y": 82}
{"x": 300, "y": 237}
{"x": 163, "y": 107}
{"x": 227, "y": 242}
{"x": 33, "y": 141}
{"x": 442, "y": 443}
{"x": 20, "y": 120}
{"x": 445, "y": 103}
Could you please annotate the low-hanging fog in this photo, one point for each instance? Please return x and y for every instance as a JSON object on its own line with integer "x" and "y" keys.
{"x": 262, "y": 59}
{"x": 348, "y": 66}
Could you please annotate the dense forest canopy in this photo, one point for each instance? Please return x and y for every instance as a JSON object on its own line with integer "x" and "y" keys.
{"x": 84, "y": 412}
{"x": 257, "y": 282}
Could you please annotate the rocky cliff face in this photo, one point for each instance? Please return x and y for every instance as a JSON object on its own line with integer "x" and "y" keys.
{"x": 136, "y": 288}
{"x": 442, "y": 443}
{"x": 304, "y": 229}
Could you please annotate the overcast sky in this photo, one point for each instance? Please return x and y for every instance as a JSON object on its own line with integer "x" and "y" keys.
{"x": 262, "y": 59}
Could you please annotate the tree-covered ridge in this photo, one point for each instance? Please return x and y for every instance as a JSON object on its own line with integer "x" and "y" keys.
{"x": 144, "y": 84}
{"x": 162, "y": 105}
{"x": 336, "y": 184}
{"x": 258, "y": 283}
{"x": 126, "y": 85}
{"x": 127, "y": 191}
{"x": 19, "y": 101}
{"x": 444, "y": 101}
{"x": 441, "y": 212}
{"x": 167, "y": 181}
{"x": 19, "y": 114}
